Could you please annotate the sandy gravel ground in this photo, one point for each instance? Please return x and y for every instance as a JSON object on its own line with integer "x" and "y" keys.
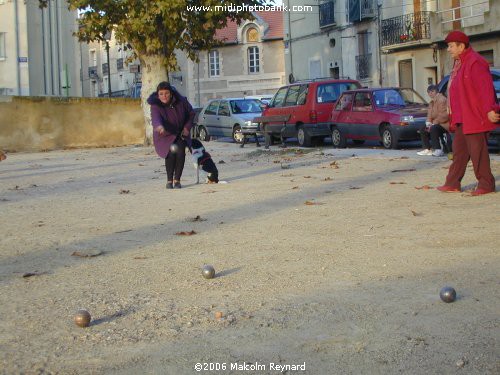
{"x": 329, "y": 258}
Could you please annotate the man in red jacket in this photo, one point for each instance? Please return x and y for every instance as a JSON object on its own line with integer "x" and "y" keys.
{"x": 472, "y": 106}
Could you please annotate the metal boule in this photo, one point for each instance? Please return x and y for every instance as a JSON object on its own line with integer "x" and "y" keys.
{"x": 82, "y": 318}
{"x": 174, "y": 148}
{"x": 208, "y": 272}
{"x": 448, "y": 294}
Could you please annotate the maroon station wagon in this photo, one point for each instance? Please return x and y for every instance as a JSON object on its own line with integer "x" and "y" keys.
{"x": 387, "y": 114}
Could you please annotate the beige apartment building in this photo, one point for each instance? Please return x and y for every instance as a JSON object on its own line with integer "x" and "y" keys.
{"x": 385, "y": 43}
{"x": 412, "y": 38}
{"x": 332, "y": 39}
{"x": 38, "y": 53}
{"x": 249, "y": 62}
{"x": 118, "y": 76}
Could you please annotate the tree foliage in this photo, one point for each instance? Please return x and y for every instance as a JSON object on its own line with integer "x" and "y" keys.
{"x": 157, "y": 27}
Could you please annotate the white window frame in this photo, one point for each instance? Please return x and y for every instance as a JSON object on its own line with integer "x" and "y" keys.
{"x": 92, "y": 57}
{"x": 214, "y": 63}
{"x": 253, "y": 60}
{"x": 2, "y": 46}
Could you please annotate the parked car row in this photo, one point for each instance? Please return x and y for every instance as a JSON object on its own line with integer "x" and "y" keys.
{"x": 231, "y": 117}
{"x": 320, "y": 108}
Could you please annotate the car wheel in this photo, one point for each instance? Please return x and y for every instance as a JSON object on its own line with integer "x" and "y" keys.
{"x": 303, "y": 138}
{"x": 358, "y": 141}
{"x": 389, "y": 138}
{"x": 338, "y": 139}
{"x": 203, "y": 134}
{"x": 237, "y": 134}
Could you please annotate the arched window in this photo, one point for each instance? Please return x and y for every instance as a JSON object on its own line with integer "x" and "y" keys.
{"x": 213, "y": 63}
{"x": 253, "y": 60}
{"x": 252, "y": 35}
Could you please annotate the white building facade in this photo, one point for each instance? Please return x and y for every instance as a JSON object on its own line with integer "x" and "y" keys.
{"x": 38, "y": 53}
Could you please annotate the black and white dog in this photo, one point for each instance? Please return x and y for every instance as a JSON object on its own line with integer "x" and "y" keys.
{"x": 203, "y": 160}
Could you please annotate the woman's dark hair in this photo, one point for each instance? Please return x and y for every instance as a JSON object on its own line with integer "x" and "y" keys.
{"x": 164, "y": 86}
{"x": 432, "y": 88}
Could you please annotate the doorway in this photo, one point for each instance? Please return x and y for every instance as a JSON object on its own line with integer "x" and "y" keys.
{"x": 406, "y": 73}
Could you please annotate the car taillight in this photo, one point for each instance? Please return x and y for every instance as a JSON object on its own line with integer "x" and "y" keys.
{"x": 313, "y": 116}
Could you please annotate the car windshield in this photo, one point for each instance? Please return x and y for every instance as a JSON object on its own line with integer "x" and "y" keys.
{"x": 397, "y": 97}
{"x": 246, "y": 106}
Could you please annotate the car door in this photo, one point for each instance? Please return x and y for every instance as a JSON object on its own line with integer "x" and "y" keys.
{"x": 363, "y": 125}
{"x": 341, "y": 116}
{"x": 275, "y": 109}
{"x": 290, "y": 108}
{"x": 223, "y": 119}
{"x": 208, "y": 118}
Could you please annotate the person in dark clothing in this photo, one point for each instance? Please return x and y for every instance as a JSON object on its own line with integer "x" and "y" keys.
{"x": 172, "y": 119}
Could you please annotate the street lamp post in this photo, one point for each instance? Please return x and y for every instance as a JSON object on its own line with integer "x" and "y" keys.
{"x": 107, "y": 38}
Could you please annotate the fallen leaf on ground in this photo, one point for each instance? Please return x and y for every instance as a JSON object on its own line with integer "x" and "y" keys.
{"x": 355, "y": 187}
{"x": 29, "y": 274}
{"x": 87, "y": 254}
{"x": 196, "y": 218}
{"x": 210, "y": 191}
{"x": 307, "y": 176}
{"x": 404, "y": 170}
{"x": 328, "y": 179}
{"x": 124, "y": 231}
{"x": 123, "y": 191}
{"x": 310, "y": 203}
{"x": 425, "y": 187}
{"x": 222, "y": 162}
{"x": 415, "y": 213}
{"x": 334, "y": 165}
{"x": 397, "y": 183}
{"x": 140, "y": 257}
{"x": 185, "y": 233}
{"x": 295, "y": 187}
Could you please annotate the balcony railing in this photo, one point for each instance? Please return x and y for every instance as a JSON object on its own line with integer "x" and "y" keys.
{"x": 359, "y": 10}
{"x": 119, "y": 64}
{"x": 406, "y": 28}
{"x": 326, "y": 14}
{"x": 363, "y": 66}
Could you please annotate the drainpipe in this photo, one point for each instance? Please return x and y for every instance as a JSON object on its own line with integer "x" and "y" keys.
{"x": 44, "y": 67}
{"x": 18, "y": 70}
{"x": 290, "y": 41}
{"x": 58, "y": 44}
{"x": 51, "y": 49}
{"x": 380, "y": 78}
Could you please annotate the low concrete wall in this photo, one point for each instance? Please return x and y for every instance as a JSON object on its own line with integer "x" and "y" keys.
{"x": 49, "y": 123}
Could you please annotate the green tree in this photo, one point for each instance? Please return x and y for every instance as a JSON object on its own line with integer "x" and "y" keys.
{"x": 155, "y": 29}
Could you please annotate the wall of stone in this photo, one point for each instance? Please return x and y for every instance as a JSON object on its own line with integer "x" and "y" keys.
{"x": 49, "y": 123}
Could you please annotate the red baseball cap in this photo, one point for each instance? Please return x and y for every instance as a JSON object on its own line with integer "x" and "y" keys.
{"x": 457, "y": 36}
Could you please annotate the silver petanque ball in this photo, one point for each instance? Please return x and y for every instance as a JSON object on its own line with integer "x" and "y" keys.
{"x": 208, "y": 272}
{"x": 448, "y": 294}
{"x": 174, "y": 148}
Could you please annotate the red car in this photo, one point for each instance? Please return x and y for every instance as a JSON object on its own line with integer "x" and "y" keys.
{"x": 390, "y": 114}
{"x": 308, "y": 105}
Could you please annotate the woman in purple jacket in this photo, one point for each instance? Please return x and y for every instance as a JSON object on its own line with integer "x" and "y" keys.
{"x": 172, "y": 119}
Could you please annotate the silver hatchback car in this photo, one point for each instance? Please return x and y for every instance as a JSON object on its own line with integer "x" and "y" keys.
{"x": 231, "y": 117}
